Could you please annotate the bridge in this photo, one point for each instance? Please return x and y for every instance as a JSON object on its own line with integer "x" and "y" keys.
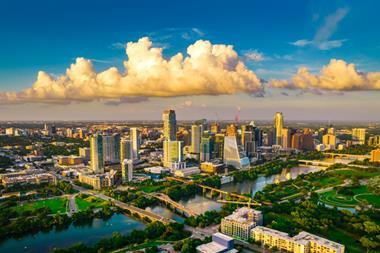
{"x": 133, "y": 210}
{"x": 355, "y": 157}
{"x": 315, "y": 163}
{"x": 175, "y": 205}
{"x": 213, "y": 190}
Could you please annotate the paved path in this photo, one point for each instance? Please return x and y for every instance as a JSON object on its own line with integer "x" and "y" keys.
{"x": 72, "y": 206}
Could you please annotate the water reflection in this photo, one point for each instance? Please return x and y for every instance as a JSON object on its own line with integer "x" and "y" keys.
{"x": 254, "y": 186}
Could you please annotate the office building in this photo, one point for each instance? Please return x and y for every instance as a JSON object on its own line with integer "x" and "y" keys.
{"x": 185, "y": 172}
{"x": 286, "y": 134}
{"x": 96, "y": 148}
{"x": 71, "y": 160}
{"x": 170, "y": 125}
{"x": 214, "y": 128}
{"x": 329, "y": 140}
{"x": 358, "y": 135}
{"x": 135, "y": 137}
{"x": 172, "y": 153}
{"x": 196, "y": 134}
{"x": 212, "y": 168}
{"x": 231, "y": 154}
{"x": 127, "y": 170}
{"x": 125, "y": 149}
{"x": 240, "y": 222}
{"x": 278, "y": 124}
{"x": 231, "y": 130}
{"x": 111, "y": 148}
{"x": 302, "y": 243}
{"x": 375, "y": 155}
{"x": 374, "y": 140}
{"x": 207, "y": 144}
{"x": 218, "y": 148}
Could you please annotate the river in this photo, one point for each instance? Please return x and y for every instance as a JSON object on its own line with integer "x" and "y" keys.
{"x": 253, "y": 186}
{"x": 45, "y": 242}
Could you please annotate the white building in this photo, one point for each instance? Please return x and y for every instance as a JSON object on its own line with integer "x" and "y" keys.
{"x": 231, "y": 154}
{"x": 127, "y": 170}
{"x": 187, "y": 172}
{"x": 196, "y": 134}
{"x": 136, "y": 141}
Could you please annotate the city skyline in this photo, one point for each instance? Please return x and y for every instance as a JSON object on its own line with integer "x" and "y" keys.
{"x": 313, "y": 61}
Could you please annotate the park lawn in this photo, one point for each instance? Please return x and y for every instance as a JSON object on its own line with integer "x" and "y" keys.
{"x": 334, "y": 199}
{"x": 343, "y": 237}
{"x": 152, "y": 188}
{"x": 56, "y": 205}
{"x": 372, "y": 199}
{"x": 84, "y": 202}
{"x": 328, "y": 181}
{"x": 352, "y": 172}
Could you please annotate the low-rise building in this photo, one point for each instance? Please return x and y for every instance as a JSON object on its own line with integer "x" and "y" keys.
{"x": 212, "y": 168}
{"x": 69, "y": 160}
{"x": 98, "y": 181}
{"x": 185, "y": 172}
{"x": 27, "y": 177}
{"x": 220, "y": 244}
{"x": 240, "y": 222}
{"x": 302, "y": 243}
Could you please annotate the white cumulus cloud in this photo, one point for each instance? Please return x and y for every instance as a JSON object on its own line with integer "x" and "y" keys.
{"x": 336, "y": 76}
{"x": 207, "y": 69}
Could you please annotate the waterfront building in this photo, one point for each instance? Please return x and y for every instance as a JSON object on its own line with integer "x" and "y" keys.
{"x": 172, "y": 152}
{"x": 170, "y": 125}
{"x": 278, "y": 124}
{"x": 185, "y": 172}
{"x": 375, "y": 155}
{"x": 98, "y": 181}
{"x": 231, "y": 154}
{"x": 135, "y": 137}
{"x": 240, "y": 222}
{"x": 358, "y": 135}
{"x": 286, "y": 134}
{"x": 302, "y": 243}
{"x": 127, "y": 170}
{"x": 212, "y": 168}
{"x": 196, "y": 134}
{"x": 96, "y": 148}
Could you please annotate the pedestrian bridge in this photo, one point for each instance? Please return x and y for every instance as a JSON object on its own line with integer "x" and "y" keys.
{"x": 177, "y": 206}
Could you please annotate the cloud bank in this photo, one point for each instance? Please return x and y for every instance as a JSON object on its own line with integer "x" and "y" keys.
{"x": 207, "y": 69}
{"x": 336, "y": 76}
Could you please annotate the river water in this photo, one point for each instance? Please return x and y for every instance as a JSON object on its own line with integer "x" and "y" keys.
{"x": 46, "y": 242}
{"x": 253, "y": 186}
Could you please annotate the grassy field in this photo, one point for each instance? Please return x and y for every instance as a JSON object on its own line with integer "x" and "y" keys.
{"x": 149, "y": 189}
{"x": 341, "y": 200}
{"x": 56, "y": 205}
{"x": 360, "y": 174}
{"x": 84, "y": 201}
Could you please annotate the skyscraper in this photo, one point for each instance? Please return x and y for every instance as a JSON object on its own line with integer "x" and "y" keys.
{"x": 96, "y": 147}
{"x": 125, "y": 149}
{"x": 196, "y": 134}
{"x": 127, "y": 170}
{"x": 170, "y": 125}
{"x": 206, "y": 149}
{"x": 135, "y": 137}
{"x": 108, "y": 148}
{"x": 358, "y": 134}
{"x": 286, "y": 137}
{"x": 172, "y": 152}
{"x": 278, "y": 125}
{"x": 232, "y": 156}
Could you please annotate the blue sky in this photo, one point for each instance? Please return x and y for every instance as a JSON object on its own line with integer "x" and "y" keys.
{"x": 50, "y": 35}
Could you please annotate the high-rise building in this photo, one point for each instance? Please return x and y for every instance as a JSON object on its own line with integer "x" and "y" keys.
{"x": 278, "y": 125}
{"x": 374, "y": 140}
{"x": 358, "y": 134}
{"x": 196, "y": 135}
{"x": 232, "y": 155}
{"x": 218, "y": 148}
{"x": 85, "y": 153}
{"x": 96, "y": 147}
{"x": 215, "y": 128}
{"x": 172, "y": 152}
{"x": 125, "y": 150}
{"x": 170, "y": 125}
{"x": 375, "y": 155}
{"x": 135, "y": 137}
{"x": 207, "y": 144}
{"x": 329, "y": 140}
{"x": 127, "y": 170}
{"x": 286, "y": 137}
{"x": 108, "y": 148}
{"x": 231, "y": 130}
